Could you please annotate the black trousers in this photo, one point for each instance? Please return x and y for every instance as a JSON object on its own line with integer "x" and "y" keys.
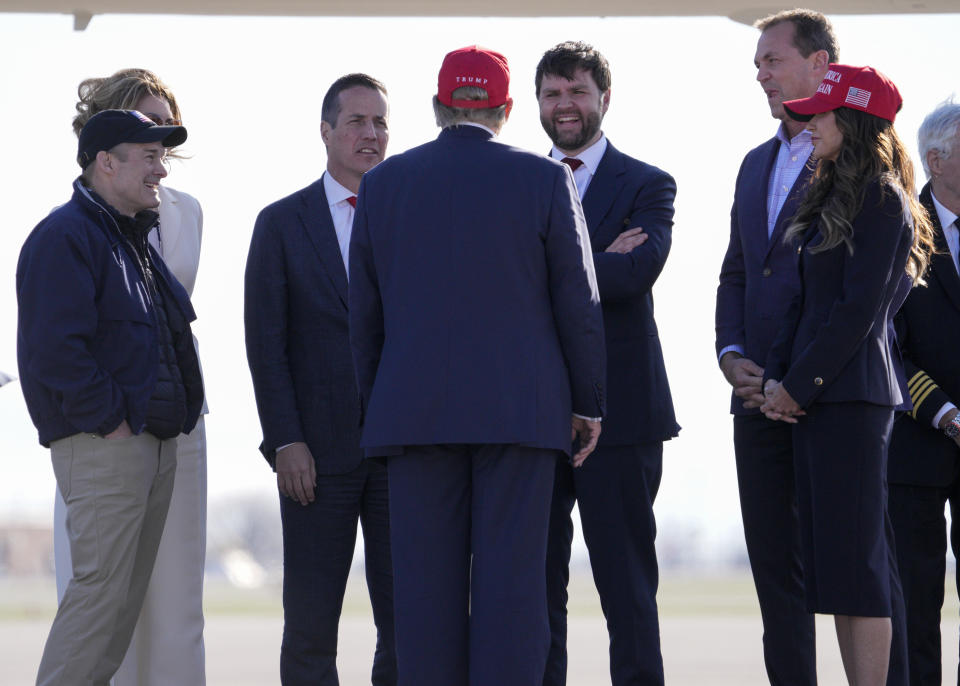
{"x": 920, "y": 531}
{"x": 318, "y": 544}
{"x": 771, "y": 527}
{"x": 615, "y": 489}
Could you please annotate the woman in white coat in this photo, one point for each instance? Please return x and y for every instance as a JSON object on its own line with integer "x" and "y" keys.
{"x": 167, "y": 645}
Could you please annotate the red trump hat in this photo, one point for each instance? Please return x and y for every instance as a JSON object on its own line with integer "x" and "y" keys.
{"x": 858, "y": 88}
{"x": 474, "y": 66}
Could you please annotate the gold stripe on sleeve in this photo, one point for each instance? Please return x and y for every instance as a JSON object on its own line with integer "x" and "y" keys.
{"x": 921, "y": 396}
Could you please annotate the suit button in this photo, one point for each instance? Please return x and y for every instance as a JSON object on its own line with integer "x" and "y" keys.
{"x": 767, "y": 271}
{"x": 818, "y": 381}
{"x": 799, "y": 249}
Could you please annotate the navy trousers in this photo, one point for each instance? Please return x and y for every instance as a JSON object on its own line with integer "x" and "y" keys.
{"x": 615, "y": 489}
{"x": 468, "y": 525}
{"x": 771, "y": 527}
{"x": 919, "y": 529}
{"x": 318, "y": 544}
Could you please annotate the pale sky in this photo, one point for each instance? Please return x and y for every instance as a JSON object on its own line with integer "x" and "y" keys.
{"x": 684, "y": 98}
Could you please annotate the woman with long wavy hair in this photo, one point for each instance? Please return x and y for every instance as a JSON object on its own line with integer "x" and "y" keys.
{"x": 167, "y": 644}
{"x": 863, "y": 241}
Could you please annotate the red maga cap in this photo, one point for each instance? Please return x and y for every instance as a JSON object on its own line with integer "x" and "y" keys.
{"x": 858, "y": 88}
{"x": 474, "y": 66}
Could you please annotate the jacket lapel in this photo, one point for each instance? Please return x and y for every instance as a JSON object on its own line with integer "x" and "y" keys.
{"x": 170, "y": 224}
{"x": 315, "y": 216}
{"x": 790, "y": 206}
{"x": 941, "y": 261}
{"x": 604, "y": 188}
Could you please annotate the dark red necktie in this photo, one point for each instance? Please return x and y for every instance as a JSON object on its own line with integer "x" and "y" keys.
{"x": 353, "y": 201}
{"x": 572, "y": 162}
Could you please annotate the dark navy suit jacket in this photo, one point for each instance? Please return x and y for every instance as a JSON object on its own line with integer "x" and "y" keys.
{"x": 835, "y": 345}
{"x": 474, "y": 310}
{"x": 625, "y": 193}
{"x": 758, "y": 278}
{"x": 296, "y": 323}
{"x": 928, "y": 328}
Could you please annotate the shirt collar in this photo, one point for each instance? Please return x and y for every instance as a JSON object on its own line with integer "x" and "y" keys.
{"x": 335, "y": 191}
{"x": 479, "y": 126}
{"x": 590, "y": 157}
{"x": 946, "y": 216}
{"x": 802, "y": 138}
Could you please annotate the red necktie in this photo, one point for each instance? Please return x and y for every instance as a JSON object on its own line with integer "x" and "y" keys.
{"x": 572, "y": 162}
{"x": 353, "y": 201}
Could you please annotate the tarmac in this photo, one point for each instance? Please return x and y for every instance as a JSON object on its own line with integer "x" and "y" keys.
{"x": 710, "y": 634}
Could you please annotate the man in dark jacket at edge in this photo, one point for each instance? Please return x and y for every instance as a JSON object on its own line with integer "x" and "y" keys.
{"x": 110, "y": 376}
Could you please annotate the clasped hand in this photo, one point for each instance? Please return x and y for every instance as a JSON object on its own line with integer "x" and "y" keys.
{"x": 778, "y": 405}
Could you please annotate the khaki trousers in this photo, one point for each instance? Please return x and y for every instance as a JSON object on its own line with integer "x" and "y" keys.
{"x": 167, "y": 645}
{"x": 117, "y": 494}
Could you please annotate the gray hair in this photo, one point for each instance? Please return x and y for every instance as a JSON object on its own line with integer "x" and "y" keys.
{"x": 937, "y": 131}
{"x": 447, "y": 116}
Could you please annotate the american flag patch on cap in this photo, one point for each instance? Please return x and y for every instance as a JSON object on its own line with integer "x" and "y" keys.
{"x": 858, "y": 97}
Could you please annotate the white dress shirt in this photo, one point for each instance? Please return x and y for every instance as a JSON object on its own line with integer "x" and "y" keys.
{"x": 950, "y": 232}
{"x": 791, "y": 158}
{"x": 479, "y": 126}
{"x": 582, "y": 176}
{"x": 952, "y": 235}
{"x": 341, "y": 211}
{"x": 590, "y": 157}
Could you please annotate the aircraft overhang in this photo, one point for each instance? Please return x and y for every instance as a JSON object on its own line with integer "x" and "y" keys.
{"x": 84, "y": 10}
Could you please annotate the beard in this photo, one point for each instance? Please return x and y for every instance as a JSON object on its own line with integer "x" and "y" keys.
{"x": 589, "y": 126}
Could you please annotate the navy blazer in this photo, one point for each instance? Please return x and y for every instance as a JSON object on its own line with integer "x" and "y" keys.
{"x": 474, "y": 310}
{"x": 758, "y": 278}
{"x": 296, "y": 323}
{"x": 928, "y": 328}
{"x": 834, "y": 345}
{"x": 625, "y": 193}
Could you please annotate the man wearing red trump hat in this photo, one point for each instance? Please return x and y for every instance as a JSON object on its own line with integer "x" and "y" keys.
{"x": 477, "y": 335}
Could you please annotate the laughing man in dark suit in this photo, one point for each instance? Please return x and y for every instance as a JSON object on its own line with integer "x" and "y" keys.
{"x": 628, "y": 206}
{"x": 477, "y": 334}
{"x": 299, "y": 353}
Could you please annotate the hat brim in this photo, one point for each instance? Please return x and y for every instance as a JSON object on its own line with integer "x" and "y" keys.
{"x": 170, "y": 136}
{"x": 804, "y": 108}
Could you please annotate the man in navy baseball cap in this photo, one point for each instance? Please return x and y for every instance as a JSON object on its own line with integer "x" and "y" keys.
{"x": 111, "y": 378}
{"x": 110, "y": 128}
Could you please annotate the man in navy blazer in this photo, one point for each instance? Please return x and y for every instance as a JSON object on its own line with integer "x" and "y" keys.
{"x": 628, "y": 206}
{"x": 478, "y": 340}
{"x": 298, "y": 349}
{"x": 758, "y": 280}
{"x": 924, "y": 466}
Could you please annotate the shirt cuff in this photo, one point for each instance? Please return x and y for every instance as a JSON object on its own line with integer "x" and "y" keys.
{"x": 947, "y": 406}
{"x": 736, "y": 348}
{"x": 589, "y": 419}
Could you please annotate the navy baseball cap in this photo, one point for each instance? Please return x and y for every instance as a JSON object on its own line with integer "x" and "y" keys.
{"x": 109, "y": 128}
